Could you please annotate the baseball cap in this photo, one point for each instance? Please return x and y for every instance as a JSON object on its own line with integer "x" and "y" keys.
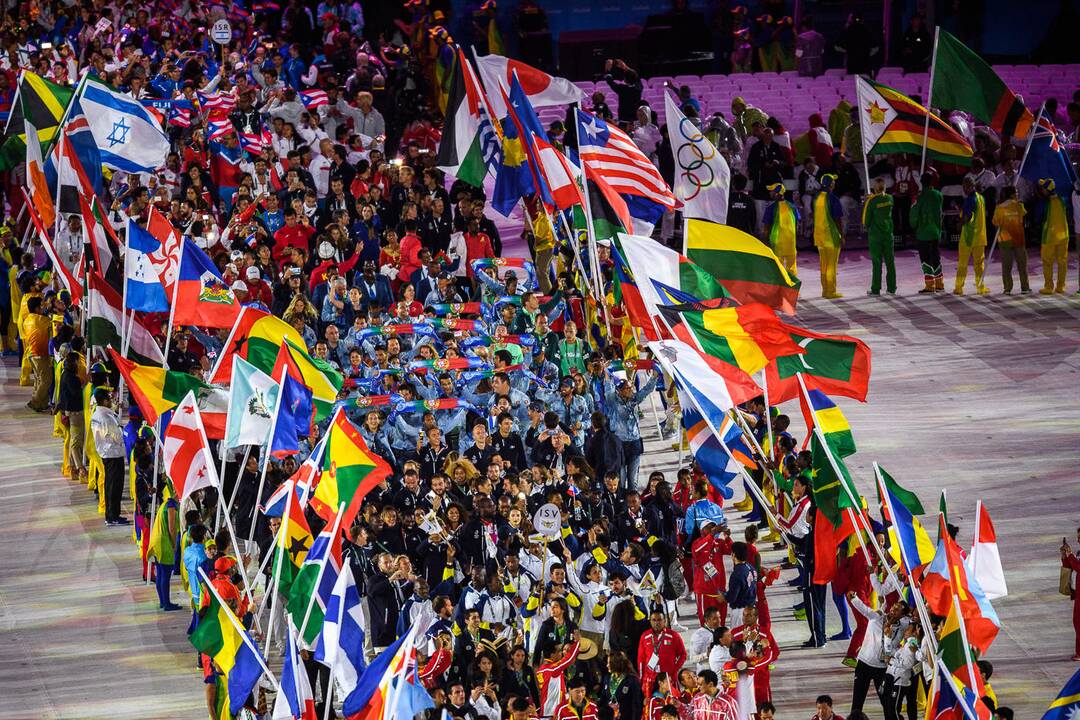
{"x": 252, "y": 273}
{"x": 239, "y": 285}
{"x": 236, "y": 255}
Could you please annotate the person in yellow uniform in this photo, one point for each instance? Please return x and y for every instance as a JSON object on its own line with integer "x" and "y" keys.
{"x": 972, "y": 238}
{"x": 781, "y": 217}
{"x": 877, "y": 218}
{"x": 33, "y": 289}
{"x": 1009, "y": 220}
{"x": 69, "y": 406}
{"x": 1054, "y": 246}
{"x": 36, "y": 329}
{"x": 828, "y": 234}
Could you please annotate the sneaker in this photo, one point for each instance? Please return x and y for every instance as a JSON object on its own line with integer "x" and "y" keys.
{"x": 849, "y": 662}
{"x": 1042, "y": 291}
{"x": 121, "y": 521}
{"x": 841, "y": 636}
{"x": 926, "y": 290}
{"x": 171, "y": 607}
{"x": 873, "y": 292}
{"x": 1075, "y": 658}
{"x": 110, "y": 523}
{"x": 800, "y": 614}
{"x": 1027, "y": 291}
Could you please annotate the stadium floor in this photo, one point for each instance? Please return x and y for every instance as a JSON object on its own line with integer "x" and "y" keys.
{"x": 977, "y": 394}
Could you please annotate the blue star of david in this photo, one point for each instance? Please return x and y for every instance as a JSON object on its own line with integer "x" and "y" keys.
{"x": 118, "y": 136}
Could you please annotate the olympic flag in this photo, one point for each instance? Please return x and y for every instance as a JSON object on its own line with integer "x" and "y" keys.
{"x": 702, "y": 176}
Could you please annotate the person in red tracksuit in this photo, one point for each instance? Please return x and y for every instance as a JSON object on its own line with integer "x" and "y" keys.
{"x": 577, "y": 706}
{"x": 660, "y": 650}
{"x": 853, "y": 574}
{"x": 761, "y": 648}
{"x": 1069, "y": 560}
{"x": 710, "y": 577}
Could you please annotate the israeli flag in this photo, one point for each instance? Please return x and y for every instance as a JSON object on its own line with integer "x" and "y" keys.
{"x": 144, "y": 289}
{"x": 128, "y": 136}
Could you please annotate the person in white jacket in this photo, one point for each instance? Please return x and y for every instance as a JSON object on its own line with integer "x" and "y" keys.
{"x": 899, "y": 686}
{"x": 877, "y": 646}
{"x": 701, "y": 639}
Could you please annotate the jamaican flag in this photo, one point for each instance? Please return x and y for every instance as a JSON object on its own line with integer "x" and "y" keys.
{"x": 42, "y": 103}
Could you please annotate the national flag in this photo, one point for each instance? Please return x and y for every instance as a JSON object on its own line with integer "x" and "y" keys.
{"x": 748, "y": 336}
{"x": 954, "y": 651}
{"x": 104, "y": 320}
{"x": 129, "y": 137}
{"x": 252, "y": 398}
{"x": 964, "y": 81}
{"x": 313, "y": 99}
{"x": 40, "y": 195}
{"x": 180, "y": 115}
{"x": 1048, "y": 158}
{"x": 542, "y": 89}
{"x": 827, "y": 539}
{"x": 144, "y": 289}
{"x": 714, "y": 386}
{"x": 907, "y": 535}
{"x": 104, "y": 250}
{"x": 293, "y": 417}
{"x": 202, "y": 297}
{"x": 951, "y": 700}
{"x": 1066, "y": 705}
{"x": 745, "y": 266}
{"x": 830, "y": 481}
{"x": 220, "y": 636}
{"x": 295, "y": 701}
{"x": 946, "y": 577}
{"x": 255, "y": 143}
{"x": 412, "y": 698}
{"x": 556, "y": 174}
{"x": 292, "y": 542}
{"x": 157, "y": 391}
{"x": 819, "y": 410}
{"x": 225, "y": 163}
{"x": 216, "y": 104}
{"x": 610, "y": 153}
{"x": 341, "y": 644}
{"x": 317, "y": 376}
{"x": 349, "y": 472}
{"x": 166, "y": 259}
{"x": 610, "y": 215}
{"x": 983, "y": 563}
{"x": 218, "y": 129}
{"x": 67, "y": 277}
{"x": 513, "y": 177}
{"x": 186, "y": 451}
{"x": 74, "y": 164}
{"x": 891, "y": 123}
{"x": 718, "y": 466}
{"x": 702, "y": 175}
{"x": 469, "y": 144}
{"x": 373, "y": 693}
{"x": 314, "y": 584}
{"x": 834, "y": 364}
{"x": 40, "y": 102}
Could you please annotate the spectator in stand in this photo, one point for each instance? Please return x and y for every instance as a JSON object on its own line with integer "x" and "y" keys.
{"x": 809, "y": 49}
{"x": 627, "y": 86}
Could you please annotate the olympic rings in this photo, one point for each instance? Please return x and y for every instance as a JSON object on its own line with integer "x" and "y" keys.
{"x": 690, "y": 166}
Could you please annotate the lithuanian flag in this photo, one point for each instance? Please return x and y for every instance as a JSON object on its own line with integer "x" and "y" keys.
{"x": 823, "y": 413}
{"x": 219, "y": 635}
{"x": 349, "y": 471}
{"x": 891, "y": 122}
{"x": 258, "y": 337}
{"x": 157, "y": 391}
{"x": 748, "y": 336}
{"x": 746, "y": 267}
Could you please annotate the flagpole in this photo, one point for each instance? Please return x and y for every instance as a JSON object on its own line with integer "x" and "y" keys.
{"x": 266, "y": 459}
{"x": 123, "y": 297}
{"x": 240, "y": 629}
{"x": 594, "y": 260}
{"x": 929, "y": 100}
{"x": 948, "y": 677}
{"x": 968, "y": 661}
{"x": 239, "y": 475}
{"x": 275, "y": 580}
{"x": 333, "y": 661}
{"x": 322, "y": 569}
{"x": 1020, "y": 169}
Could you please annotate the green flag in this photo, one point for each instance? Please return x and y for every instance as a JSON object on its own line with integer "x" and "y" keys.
{"x": 908, "y": 498}
{"x": 828, "y": 488}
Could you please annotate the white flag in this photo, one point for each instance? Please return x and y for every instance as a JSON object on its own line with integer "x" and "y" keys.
{"x": 984, "y": 561}
{"x": 186, "y": 452}
{"x": 496, "y": 72}
{"x": 252, "y": 397}
{"x": 702, "y": 175}
{"x": 128, "y": 136}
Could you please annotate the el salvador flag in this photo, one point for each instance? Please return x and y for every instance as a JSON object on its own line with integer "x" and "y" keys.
{"x": 127, "y": 134}
{"x": 144, "y": 289}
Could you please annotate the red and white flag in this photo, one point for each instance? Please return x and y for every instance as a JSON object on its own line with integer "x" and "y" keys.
{"x": 314, "y": 98}
{"x": 186, "y": 451}
{"x": 542, "y": 89}
{"x": 558, "y": 174}
{"x": 166, "y": 261}
{"x": 984, "y": 561}
{"x": 611, "y": 154}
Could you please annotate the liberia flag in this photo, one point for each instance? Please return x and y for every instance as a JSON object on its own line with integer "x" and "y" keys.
{"x": 188, "y": 461}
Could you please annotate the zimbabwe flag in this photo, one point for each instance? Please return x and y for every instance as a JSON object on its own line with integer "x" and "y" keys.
{"x": 748, "y": 336}
{"x": 834, "y": 364}
{"x": 891, "y": 122}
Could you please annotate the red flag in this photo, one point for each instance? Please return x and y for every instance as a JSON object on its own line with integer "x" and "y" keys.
{"x": 186, "y": 452}
{"x": 827, "y": 538}
{"x": 166, "y": 261}
{"x": 202, "y": 297}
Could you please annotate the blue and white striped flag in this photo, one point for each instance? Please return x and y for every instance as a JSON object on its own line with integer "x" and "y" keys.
{"x": 127, "y": 134}
{"x": 145, "y": 291}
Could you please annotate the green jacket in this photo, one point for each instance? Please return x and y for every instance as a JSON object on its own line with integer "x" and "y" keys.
{"x": 877, "y": 215}
{"x": 925, "y": 215}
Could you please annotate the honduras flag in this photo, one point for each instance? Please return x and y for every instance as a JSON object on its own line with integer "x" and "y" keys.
{"x": 128, "y": 136}
{"x": 144, "y": 289}
{"x": 341, "y": 644}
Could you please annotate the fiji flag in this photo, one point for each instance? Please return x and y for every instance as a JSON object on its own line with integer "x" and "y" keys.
{"x": 1047, "y": 158}
{"x": 202, "y": 297}
{"x": 1067, "y": 704}
{"x": 293, "y": 420}
{"x": 144, "y": 289}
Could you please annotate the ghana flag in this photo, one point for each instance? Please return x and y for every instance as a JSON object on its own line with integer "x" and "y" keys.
{"x": 962, "y": 80}
{"x": 293, "y": 542}
{"x": 833, "y": 364}
{"x": 891, "y": 122}
{"x": 349, "y": 472}
{"x": 748, "y": 336}
{"x": 744, "y": 265}
{"x": 220, "y": 636}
